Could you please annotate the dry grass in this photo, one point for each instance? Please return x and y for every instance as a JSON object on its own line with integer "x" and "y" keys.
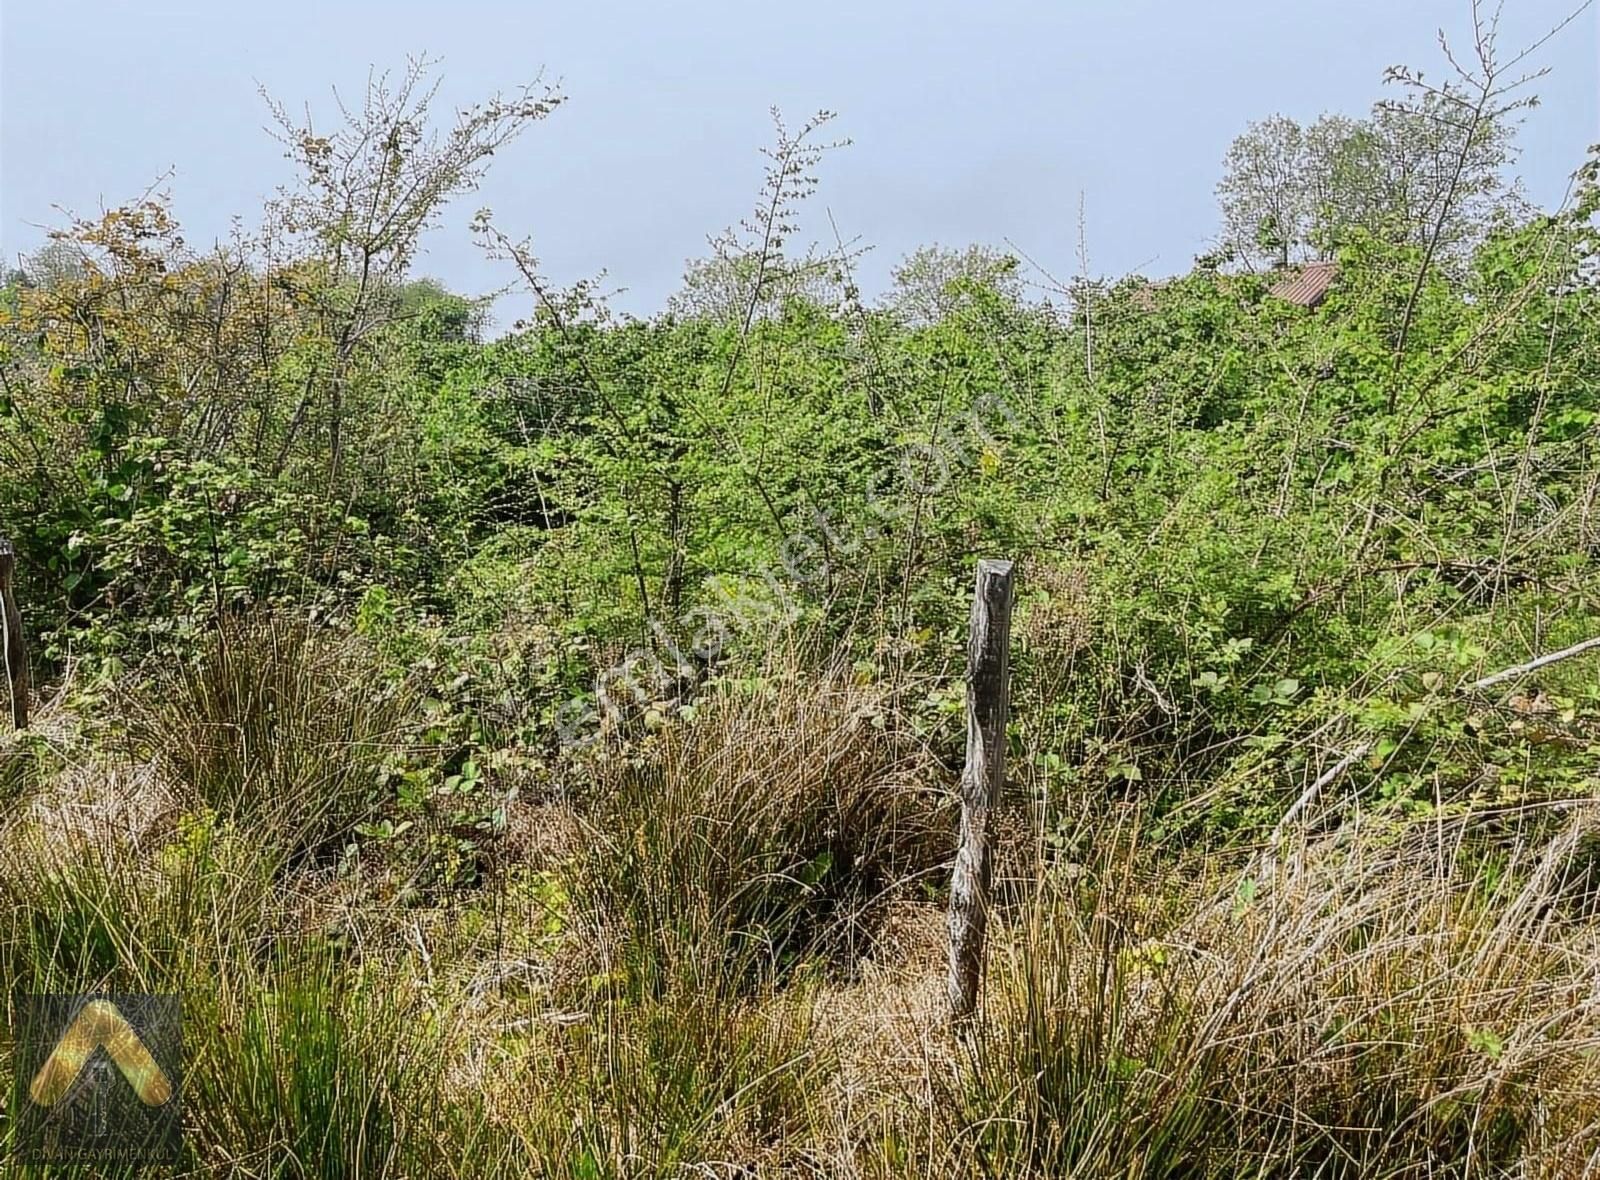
{"x": 1380, "y": 1012}
{"x": 784, "y": 815}
{"x": 717, "y": 958}
{"x": 276, "y": 724}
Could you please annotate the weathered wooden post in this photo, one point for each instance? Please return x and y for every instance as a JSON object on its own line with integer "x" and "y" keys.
{"x": 988, "y": 703}
{"x": 13, "y": 651}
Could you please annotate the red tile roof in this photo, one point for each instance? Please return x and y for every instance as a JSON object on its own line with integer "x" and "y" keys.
{"x": 1309, "y": 287}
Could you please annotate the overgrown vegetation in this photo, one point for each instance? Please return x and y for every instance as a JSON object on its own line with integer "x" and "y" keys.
{"x": 534, "y": 755}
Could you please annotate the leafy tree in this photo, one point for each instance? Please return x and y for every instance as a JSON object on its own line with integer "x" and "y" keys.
{"x": 54, "y": 263}
{"x": 728, "y": 284}
{"x": 752, "y": 271}
{"x": 366, "y": 192}
{"x": 1409, "y": 170}
{"x": 934, "y": 281}
{"x": 439, "y": 314}
{"x": 1263, "y": 191}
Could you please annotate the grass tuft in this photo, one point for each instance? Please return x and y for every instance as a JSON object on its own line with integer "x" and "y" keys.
{"x": 278, "y": 725}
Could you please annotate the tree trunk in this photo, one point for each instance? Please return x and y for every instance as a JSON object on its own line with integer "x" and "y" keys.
{"x": 13, "y": 650}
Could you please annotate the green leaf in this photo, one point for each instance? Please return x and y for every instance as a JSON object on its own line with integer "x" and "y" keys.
{"x": 1486, "y": 1042}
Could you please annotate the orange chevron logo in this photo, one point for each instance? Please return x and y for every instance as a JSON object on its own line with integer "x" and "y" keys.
{"x": 100, "y": 1026}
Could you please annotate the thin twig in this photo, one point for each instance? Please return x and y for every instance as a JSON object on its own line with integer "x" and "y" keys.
{"x": 1544, "y": 661}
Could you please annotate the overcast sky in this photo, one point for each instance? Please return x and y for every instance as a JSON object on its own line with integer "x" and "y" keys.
{"x": 971, "y": 122}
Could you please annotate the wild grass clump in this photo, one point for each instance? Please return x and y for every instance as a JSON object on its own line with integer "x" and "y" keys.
{"x": 83, "y": 916}
{"x": 279, "y": 725}
{"x": 326, "y": 1071}
{"x": 18, "y": 773}
{"x": 782, "y": 816}
{"x": 301, "y": 1058}
{"x": 650, "y": 1087}
{"x": 1375, "y": 1014}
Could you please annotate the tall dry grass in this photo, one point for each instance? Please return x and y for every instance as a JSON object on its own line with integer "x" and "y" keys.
{"x": 773, "y": 829}
{"x": 728, "y": 963}
{"x": 278, "y": 724}
{"x": 1399, "y": 1011}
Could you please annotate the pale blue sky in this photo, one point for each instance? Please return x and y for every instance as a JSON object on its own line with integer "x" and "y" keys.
{"x": 971, "y": 122}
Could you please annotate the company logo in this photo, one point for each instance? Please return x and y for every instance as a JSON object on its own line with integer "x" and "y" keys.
{"x": 101, "y": 1026}
{"x": 98, "y": 1078}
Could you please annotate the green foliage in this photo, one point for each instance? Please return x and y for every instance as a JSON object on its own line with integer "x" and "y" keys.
{"x": 551, "y": 719}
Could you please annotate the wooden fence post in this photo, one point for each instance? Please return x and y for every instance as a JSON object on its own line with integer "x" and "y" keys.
{"x": 13, "y": 651}
{"x": 988, "y": 704}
